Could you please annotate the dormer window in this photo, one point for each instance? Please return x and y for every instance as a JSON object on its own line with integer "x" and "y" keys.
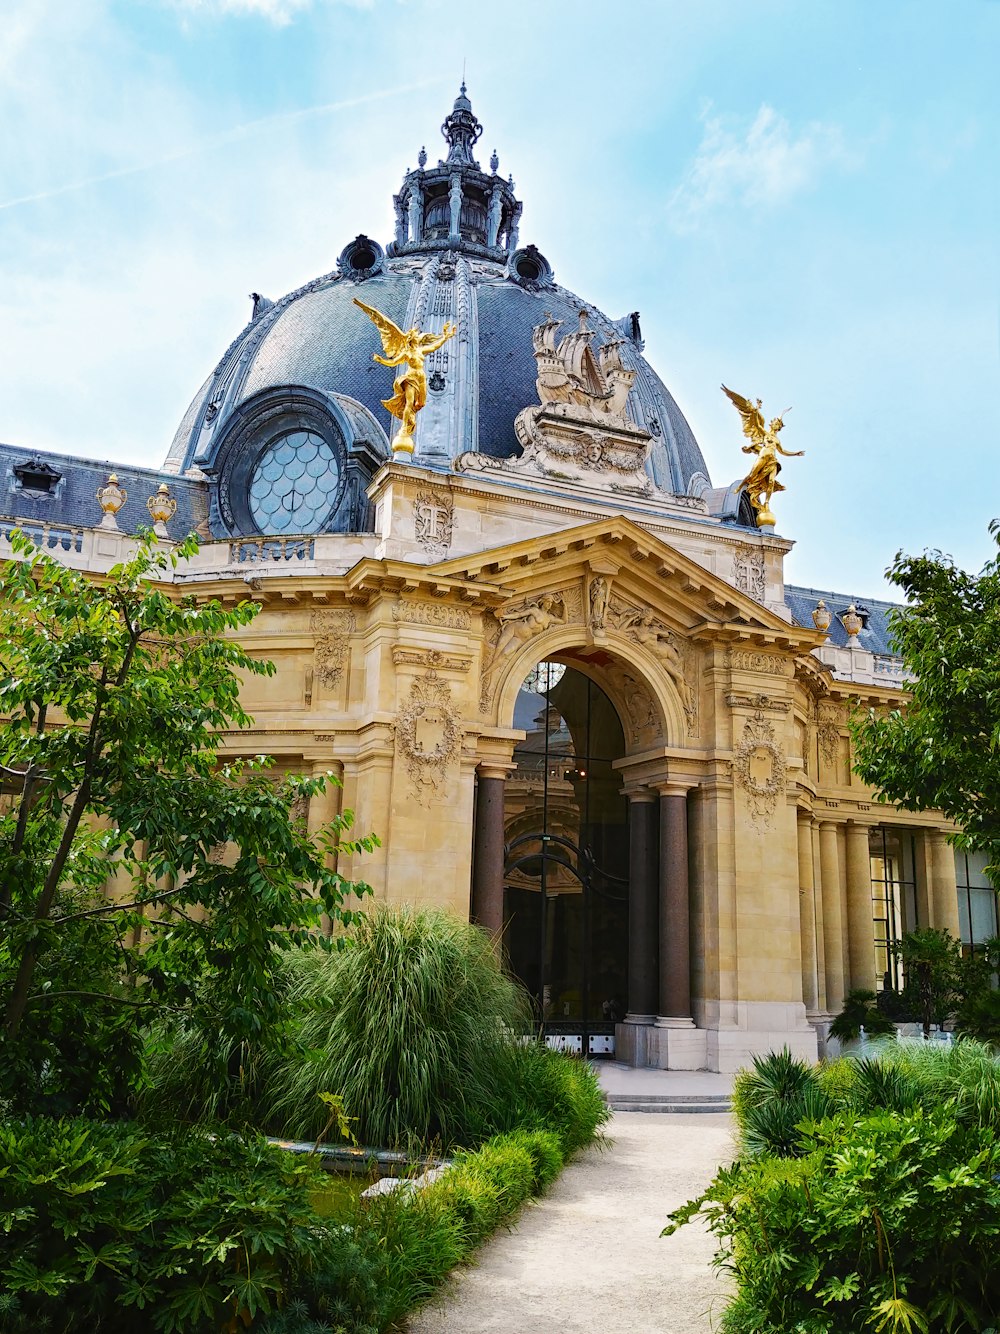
{"x": 36, "y": 478}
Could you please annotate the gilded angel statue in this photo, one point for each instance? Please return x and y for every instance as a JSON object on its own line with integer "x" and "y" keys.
{"x": 410, "y": 389}
{"x": 761, "y": 481}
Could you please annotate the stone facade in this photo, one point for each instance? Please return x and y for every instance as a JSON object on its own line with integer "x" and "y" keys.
{"x": 405, "y": 625}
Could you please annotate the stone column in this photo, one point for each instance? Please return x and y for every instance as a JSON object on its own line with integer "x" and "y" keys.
{"x": 833, "y": 956}
{"x": 860, "y": 917}
{"x": 487, "y": 865}
{"x": 944, "y": 889}
{"x": 807, "y": 915}
{"x": 818, "y": 905}
{"x": 675, "y": 913}
{"x": 674, "y": 1043}
{"x": 642, "y": 915}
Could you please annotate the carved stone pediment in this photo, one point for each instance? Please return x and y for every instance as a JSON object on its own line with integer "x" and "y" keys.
{"x": 579, "y": 430}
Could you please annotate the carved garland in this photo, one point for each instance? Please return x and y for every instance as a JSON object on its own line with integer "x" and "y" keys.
{"x": 431, "y": 613}
{"x": 828, "y": 735}
{"x": 759, "y": 767}
{"x": 332, "y": 630}
{"x": 428, "y": 734}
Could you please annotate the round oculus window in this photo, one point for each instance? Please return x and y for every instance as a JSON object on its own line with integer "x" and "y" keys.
{"x": 294, "y": 484}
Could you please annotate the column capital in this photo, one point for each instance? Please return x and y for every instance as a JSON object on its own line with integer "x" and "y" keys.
{"x": 495, "y": 769}
{"x": 674, "y": 787}
{"x": 640, "y": 795}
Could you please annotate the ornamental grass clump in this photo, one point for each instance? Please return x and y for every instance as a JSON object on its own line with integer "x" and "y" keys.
{"x": 414, "y": 1025}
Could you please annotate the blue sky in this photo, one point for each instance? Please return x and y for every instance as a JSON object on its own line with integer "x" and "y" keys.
{"x": 800, "y": 196}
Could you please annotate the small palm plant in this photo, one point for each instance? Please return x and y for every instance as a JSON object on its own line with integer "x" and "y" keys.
{"x": 773, "y": 1099}
{"x": 860, "y": 1011}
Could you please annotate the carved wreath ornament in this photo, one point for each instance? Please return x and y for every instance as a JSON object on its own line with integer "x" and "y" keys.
{"x": 759, "y": 768}
{"x": 428, "y": 734}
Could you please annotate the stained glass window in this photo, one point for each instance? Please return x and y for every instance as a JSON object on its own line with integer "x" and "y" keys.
{"x": 294, "y": 484}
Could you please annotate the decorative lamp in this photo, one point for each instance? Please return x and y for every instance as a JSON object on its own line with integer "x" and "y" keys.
{"x": 851, "y": 622}
{"x": 162, "y": 507}
{"x": 111, "y": 497}
{"x": 821, "y": 616}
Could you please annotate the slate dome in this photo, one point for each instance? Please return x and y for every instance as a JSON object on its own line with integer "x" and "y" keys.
{"x": 304, "y": 363}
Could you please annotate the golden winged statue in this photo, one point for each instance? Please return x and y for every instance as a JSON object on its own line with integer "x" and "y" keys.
{"x": 761, "y": 481}
{"x": 409, "y": 393}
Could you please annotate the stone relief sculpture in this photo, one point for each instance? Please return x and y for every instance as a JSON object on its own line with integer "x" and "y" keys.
{"x": 579, "y": 429}
{"x": 828, "y": 734}
{"x": 749, "y": 574}
{"x": 759, "y": 768}
{"x": 519, "y": 624}
{"x": 332, "y": 630}
{"x": 639, "y": 707}
{"x": 642, "y": 627}
{"x": 514, "y": 625}
{"x": 599, "y": 594}
{"x": 434, "y": 521}
{"x": 428, "y": 734}
{"x": 750, "y": 660}
{"x": 431, "y": 613}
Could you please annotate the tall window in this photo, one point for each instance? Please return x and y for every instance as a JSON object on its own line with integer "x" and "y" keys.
{"x": 977, "y": 900}
{"x": 893, "y": 898}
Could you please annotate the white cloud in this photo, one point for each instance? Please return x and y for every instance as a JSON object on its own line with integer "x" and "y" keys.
{"x": 279, "y": 12}
{"x": 756, "y": 169}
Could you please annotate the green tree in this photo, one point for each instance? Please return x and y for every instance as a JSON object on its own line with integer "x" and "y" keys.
{"x": 115, "y": 696}
{"x": 943, "y": 751}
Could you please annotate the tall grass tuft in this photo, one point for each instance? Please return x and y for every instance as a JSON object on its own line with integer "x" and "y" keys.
{"x": 413, "y": 1025}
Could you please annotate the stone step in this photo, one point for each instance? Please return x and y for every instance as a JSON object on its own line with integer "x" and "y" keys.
{"x": 666, "y": 1103}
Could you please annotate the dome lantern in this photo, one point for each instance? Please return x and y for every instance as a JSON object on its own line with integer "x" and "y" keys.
{"x": 456, "y": 205}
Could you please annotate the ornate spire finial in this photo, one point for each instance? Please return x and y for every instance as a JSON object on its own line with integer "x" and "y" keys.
{"x": 461, "y": 129}
{"x": 494, "y": 162}
{"x": 422, "y": 157}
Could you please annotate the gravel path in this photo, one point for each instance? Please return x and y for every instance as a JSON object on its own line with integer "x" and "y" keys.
{"x": 588, "y": 1257}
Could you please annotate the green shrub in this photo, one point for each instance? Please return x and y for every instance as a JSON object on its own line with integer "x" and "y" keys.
{"x": 860, "y": 1011}
{"x": 836, "y": 1078}
{"x": 545, "y": 1151}
{"x": 104, "y": 1229}
{"x": 885, "y": 1223}
{"x": 413, "y": 1024}
{"x": 541, "y": 1089}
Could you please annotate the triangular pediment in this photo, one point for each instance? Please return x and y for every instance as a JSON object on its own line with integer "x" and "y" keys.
{"x": 642, "y": 571}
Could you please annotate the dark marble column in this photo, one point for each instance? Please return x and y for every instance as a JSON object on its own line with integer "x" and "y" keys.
{"x": 643, "y": 938}
{"x": 675, "y": 927}
{"x": 487, "y": 868}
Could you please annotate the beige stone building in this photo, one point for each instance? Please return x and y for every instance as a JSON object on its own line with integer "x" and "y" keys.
{"x": 556, "y": 670}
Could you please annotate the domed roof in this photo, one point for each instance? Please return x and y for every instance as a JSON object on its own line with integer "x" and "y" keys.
{"x": 456, "y": 256}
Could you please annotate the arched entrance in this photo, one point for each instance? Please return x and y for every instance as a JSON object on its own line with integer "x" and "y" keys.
{"x": 566, "y": 859}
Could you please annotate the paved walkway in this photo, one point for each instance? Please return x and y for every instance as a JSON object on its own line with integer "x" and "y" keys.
{"x": 588, "y": 1257}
